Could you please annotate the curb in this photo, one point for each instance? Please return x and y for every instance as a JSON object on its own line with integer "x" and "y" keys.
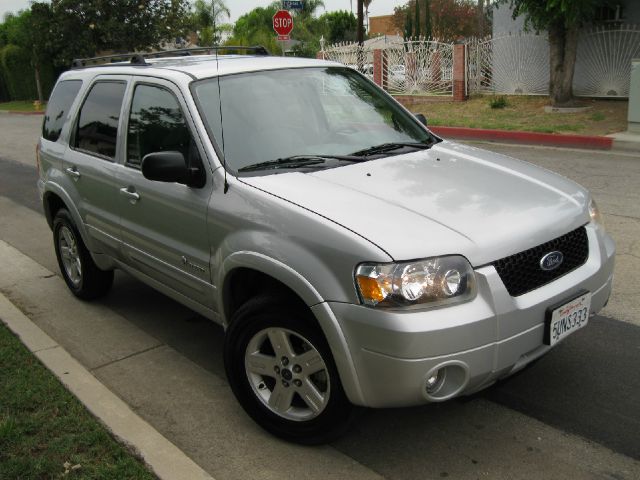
{"x": 161, "y": 456}
{"x": 531, "y": 138}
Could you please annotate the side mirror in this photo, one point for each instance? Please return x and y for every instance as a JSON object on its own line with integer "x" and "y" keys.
{"x": 421, "y": 118}
{"x": 170, "y": 167}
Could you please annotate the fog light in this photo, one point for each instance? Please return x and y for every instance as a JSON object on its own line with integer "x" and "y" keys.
{"x": 434, "y": 381}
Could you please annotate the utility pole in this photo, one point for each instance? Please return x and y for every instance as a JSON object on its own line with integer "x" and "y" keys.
{"x": 213, "y": 18}
{"x": 360, "y": 36}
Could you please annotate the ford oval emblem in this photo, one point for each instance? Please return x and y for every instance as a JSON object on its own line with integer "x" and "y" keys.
{"x": 551, "y": 261}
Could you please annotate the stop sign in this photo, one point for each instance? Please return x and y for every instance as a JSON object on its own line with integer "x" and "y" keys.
{"x": 282, "y": 23}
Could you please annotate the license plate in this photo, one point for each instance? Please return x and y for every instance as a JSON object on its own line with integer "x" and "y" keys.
{"x": 565, "y": 319}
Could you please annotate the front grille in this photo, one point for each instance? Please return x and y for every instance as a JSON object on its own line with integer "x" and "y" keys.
{"x": 521, "y": 272}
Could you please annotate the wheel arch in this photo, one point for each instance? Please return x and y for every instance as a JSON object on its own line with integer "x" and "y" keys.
{"x": 53, "y": 199}
{"x": 251, "y": 269}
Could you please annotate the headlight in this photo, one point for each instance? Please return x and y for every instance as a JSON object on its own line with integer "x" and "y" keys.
{"x": 594, "y": 212}
{"x": 433, "y": 281}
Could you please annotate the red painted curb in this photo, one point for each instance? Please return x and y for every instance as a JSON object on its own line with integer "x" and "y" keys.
{"x": 531, "y": 138}
{"x": 13, "y": 112}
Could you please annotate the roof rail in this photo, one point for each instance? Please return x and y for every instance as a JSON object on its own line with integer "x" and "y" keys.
{"x": 139, "y": 57}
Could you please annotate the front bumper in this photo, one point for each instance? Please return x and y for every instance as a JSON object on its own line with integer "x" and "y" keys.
{"x": 479, "y": 342}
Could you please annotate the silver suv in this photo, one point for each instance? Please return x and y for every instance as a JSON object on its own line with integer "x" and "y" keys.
{"x": 353, "y": 257}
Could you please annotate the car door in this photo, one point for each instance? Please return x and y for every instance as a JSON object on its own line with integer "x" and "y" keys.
{"x": 164, "y": 225}
{"x": 90, "y": 162}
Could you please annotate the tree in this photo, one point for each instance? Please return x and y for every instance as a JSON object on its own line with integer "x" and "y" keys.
{"x": 562, "y": 19}
{"x": 208, "y": 18}
{"x": 448, "y": 19}
{"x": 256, "y": 28}
{"x": 418, "y": 19}
{"x": 84, "y": 27}
{"x": 339, "y": 26}
{"x": 29, "y": 30}
{"x": 427, "y": 20}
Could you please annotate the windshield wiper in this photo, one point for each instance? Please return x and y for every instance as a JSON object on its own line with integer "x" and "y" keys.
{"x": 389, "y": 147}
{"x": 297, "y": 161}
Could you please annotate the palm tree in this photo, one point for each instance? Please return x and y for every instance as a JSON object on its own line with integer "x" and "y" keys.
{"x": 309, "y": 7}
{"x": 209, "y": 16}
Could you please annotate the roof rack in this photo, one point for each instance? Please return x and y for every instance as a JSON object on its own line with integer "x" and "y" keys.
{"x": 139, "y": 58}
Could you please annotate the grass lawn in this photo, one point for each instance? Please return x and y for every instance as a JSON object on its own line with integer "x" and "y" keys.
{"x": 21, "y": 106}
{"x": 527, "y": 114}
{"x": 45, "y": 433}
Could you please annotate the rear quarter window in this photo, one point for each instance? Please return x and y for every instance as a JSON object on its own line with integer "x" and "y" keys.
{"x": 58, "y": 107}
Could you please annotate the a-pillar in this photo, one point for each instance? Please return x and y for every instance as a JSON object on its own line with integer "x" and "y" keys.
{"x": 459, "y": 73}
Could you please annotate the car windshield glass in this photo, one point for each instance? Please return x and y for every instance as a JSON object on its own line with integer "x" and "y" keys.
{"x": 326, "y": 111}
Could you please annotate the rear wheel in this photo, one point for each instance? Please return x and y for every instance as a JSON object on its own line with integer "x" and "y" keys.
{"x": 81, "y": 274}
{"x": 281, "y": 370}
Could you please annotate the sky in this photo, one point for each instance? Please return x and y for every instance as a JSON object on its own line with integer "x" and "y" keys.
{"x": 240, "y": 7}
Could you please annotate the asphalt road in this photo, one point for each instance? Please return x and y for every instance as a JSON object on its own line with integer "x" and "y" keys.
{"x": 552, "y": 420}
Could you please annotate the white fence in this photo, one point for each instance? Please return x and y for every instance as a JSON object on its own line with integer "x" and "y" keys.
{"x": 510, "y": 64}
{"x": 419, "y": 67}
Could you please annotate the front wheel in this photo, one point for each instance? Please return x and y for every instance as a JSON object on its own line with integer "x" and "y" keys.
{"x": 282, "y": 372}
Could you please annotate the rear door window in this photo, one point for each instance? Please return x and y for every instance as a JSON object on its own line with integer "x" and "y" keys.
{"x": 61, "y": 99}
{"x": 97, "y": 130}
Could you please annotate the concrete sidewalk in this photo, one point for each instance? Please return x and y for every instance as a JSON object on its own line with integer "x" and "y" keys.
{"x": 163, "y": 458}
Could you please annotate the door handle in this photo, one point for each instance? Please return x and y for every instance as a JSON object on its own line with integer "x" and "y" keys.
{"x": 133, "y": 196}
{"x": 72, "y": 171}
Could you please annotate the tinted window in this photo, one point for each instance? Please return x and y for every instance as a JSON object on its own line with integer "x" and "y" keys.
{"x": 156, "y": 124}
{"x": 99, "y": 116}
{"x": 58, "y": 107}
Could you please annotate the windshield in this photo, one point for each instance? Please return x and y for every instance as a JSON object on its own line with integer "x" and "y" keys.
{"x": 274, "y": 115}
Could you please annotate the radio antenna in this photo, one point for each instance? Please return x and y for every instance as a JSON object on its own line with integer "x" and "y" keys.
{"x": 224, "y": 158}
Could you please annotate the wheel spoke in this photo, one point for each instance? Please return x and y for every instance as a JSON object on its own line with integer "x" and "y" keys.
{"x": 311, "y": 362}
{"x": 311, "y": 396}
{"x": 68, "y": 237}
{"x": 281, "y": 397}
{"x": 280, "y": 342}
{"x": 261, "y": 364}
{"x": 65, "y": 252}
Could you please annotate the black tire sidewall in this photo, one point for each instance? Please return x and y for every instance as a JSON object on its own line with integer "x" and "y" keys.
{"x": 94, "y": 282}
{"x": 63, "y": 219}
{"x": 257, "y": 316}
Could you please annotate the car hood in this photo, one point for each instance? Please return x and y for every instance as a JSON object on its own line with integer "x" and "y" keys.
{"x": 450, "y": 199}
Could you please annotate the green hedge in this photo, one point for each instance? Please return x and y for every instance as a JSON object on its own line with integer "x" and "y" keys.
{"x": 4, "y": 92}
{"x": 17, "y": 76}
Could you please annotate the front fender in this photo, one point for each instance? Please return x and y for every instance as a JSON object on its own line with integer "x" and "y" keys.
{"x": 308, "y": 293}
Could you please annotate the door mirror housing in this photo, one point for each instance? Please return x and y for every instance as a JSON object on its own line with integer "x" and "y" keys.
{"x": 421, "y": 118}
{"x": 171, "y": 167}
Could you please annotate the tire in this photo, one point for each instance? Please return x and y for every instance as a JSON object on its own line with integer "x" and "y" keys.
{"x": 80, "y": 273}
{"x": 295, "y": 394}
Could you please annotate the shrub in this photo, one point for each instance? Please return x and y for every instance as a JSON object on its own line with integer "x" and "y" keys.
{"x": 18, "y": 76}
{"x": 498, "y": 102}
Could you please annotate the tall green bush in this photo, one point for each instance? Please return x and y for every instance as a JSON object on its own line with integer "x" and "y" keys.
{"x": 4, "y": 92}
{"x": 18, "y": 75}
